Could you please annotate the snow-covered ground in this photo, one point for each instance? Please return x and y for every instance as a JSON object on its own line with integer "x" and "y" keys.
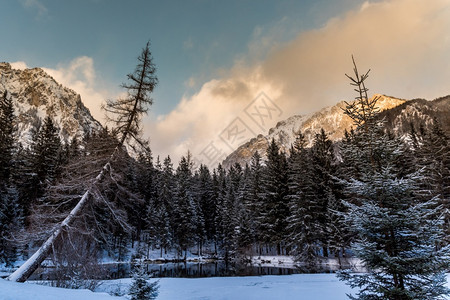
{"x": 300, "y": 286}
{"x": 27, "y": 291}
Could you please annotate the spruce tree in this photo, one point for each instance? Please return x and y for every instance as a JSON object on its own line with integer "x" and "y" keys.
{"x": 184, "y": 211}
{"x": 274, "y": 209}
{"x": 166, "y": 186}
{"x": 10, "y": 224}
{"x": 45, "y": 152}
{"x": 228, "y": 209}
{"x": 322, "y": 156}
{"x": 206, "y": 204}
{"x": 434, "y": 158}
{"x": 220, "y": 189}
{"x": 303, "y": 225}
{"x": 10, "y": 210}
{"x": 255, "y": 192}
{"x": 249, "y": 200}
{"x": 244, "y": 235}
{"x": 142, "y": 176}
{"x": 7, "y": 138}
{"x": 140, "y": 288}
{"x": 398, "y": 236}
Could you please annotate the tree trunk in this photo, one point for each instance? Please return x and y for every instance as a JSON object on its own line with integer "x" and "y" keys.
{"x": 25, "y": 270}
{"x": 143, "y": 81}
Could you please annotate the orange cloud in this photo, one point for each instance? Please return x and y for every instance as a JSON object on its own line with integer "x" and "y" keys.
{"x": 405, "y": 42}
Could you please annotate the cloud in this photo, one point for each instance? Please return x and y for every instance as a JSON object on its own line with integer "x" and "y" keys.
{"x": 405, "y": 42}
{"x": 79, "y": 75}
{"x": 40, "y": 8}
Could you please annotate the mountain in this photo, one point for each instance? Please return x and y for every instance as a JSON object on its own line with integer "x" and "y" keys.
{"x": 398, "y": 113}
{"x": 36, "y": 95}
{"x": 417, "y": 112}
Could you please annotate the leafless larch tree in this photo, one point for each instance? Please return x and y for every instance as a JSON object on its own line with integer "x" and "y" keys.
{"x": 126, "y": 114}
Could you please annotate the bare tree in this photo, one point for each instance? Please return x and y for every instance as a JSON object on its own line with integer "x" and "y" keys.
{"x": 126, "y": 114}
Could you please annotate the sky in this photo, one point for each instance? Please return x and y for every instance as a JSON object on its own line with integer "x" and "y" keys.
{"x": 229, "y": 70}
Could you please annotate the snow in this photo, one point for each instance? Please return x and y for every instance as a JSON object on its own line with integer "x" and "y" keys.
{"x": 47, "y": 97}
{"x": 300, "y": 286}
{"x": 25, "y": 291}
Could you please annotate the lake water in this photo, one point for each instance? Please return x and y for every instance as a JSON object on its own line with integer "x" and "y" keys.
{"x": 194, "y": 270}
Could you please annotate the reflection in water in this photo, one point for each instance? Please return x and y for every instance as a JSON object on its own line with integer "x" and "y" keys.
{"x": 209, "y": 269}
{"x": 194, "y": 270}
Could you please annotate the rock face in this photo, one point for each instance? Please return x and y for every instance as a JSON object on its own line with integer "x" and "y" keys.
{"x": 418, "y": 112}
{"x": 36, "y": 95}
{"x": 398, "y": 114}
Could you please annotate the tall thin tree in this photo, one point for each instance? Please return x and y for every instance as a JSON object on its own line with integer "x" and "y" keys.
{"x": 126, "y": 114}
{"x": 397, "y": 235}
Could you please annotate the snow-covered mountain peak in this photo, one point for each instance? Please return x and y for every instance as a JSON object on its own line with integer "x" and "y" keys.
{"x": 332, "y": 119}
{"x": 36, "y": 95}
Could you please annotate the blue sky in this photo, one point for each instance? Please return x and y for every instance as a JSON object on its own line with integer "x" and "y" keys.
{"x": 191, "y": 40}
{"x": 214, "y": 57}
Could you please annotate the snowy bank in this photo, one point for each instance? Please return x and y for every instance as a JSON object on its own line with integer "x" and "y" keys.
{"x": 300, "y": 286}
{"x": 26, "y": 291}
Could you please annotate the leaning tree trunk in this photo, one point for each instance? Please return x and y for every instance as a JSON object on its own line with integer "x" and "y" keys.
{"x": 128, "y": 113}
{"x": 25, "y": 271}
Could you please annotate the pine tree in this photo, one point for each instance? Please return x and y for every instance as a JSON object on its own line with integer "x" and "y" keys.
{"x": 255, "y": 192}
{"x": 144, "y": 183}
{"x": 25, "y": 180}
{"x": 10, "y": 223}
{"x": 244, "y": 235}
{"x": 230, "y": 210}
{"x": 220, "y": 188}
{"x": 322, "y": 171}
{"x": 45, "y": 153}
{"x": 164, "y": 200}
{"x": 206, "y": 203}
{"x": 184, "y": 214}
{"x": 397, "y": 235}
{"x": 7, "y": 138}
{"x": 433, "y": 157}
{"x": 10, "y": 210}
{"x": 140, "y": 288}
{"x": 249, "y": 199}
{"x": 303, "y": 226}
{"x": 274, "y": 205}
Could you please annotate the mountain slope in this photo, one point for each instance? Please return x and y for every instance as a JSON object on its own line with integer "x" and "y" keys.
{"x": 418, "y": 112}
{"x": 36, "y": 95}
{"x": 398, "y": 114}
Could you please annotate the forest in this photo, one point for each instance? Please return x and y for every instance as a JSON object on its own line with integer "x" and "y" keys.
{"x": 290, "y": 204}
{"x": 370, "y": 191}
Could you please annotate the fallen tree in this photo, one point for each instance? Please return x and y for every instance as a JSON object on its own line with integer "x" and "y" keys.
{"x": 126, "y": 114}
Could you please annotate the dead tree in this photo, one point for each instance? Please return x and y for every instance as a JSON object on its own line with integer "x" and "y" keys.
{"x": 126, "y": 114}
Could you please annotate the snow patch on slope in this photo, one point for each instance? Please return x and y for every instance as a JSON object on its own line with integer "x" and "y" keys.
{"x": 332, "y": 119}
{"x": 36, "y": 95}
